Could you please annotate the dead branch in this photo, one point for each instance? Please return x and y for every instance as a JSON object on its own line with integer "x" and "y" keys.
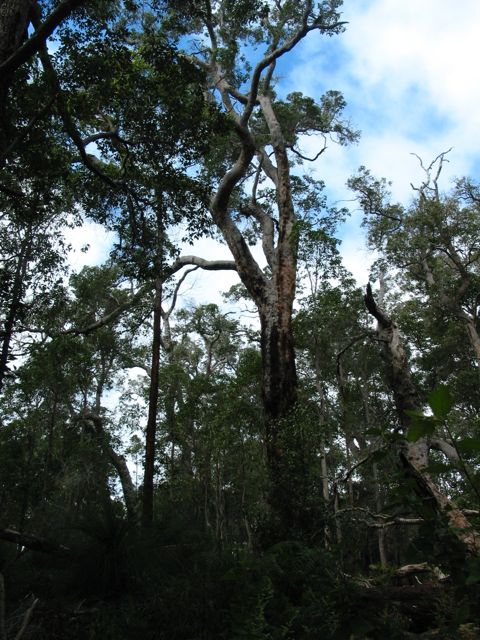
{"x": 34, "y": 543}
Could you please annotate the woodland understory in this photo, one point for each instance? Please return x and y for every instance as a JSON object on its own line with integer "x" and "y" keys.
{"x": 171, "y": 471}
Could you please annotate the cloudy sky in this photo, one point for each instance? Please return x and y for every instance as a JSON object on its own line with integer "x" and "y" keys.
{"x": 408, "y": 71}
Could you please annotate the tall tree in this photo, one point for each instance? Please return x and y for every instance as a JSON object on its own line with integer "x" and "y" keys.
{"x": 255, "y": 189}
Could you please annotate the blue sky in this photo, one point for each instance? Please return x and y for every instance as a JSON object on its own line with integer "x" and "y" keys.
{"x": 408, "y": 71}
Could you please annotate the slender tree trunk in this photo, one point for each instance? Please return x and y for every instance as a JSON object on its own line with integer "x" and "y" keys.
{"x": 382, "y": 552}
{"x": 338, "y": 526}
{"x": 15, "y": 303}
{"x": 151, "y": 431}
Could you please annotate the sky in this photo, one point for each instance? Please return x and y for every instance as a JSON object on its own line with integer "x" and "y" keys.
{"x": 408, "y": 71}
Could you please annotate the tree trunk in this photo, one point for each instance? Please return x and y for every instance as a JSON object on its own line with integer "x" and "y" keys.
{"x": 382, "y": 552}
{"x": 151, "y": 431}
{"x": 120, "y": 465}
{"x": 471, "y": 328}
{"x": 414, "y": 455}
{"x": 14, "y": 19}
{"x": 15, "y": 303}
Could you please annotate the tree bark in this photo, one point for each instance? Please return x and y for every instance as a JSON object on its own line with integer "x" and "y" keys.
{"x": 414, "y": 455}
{"x": 472, "y": 332}
{"x": 15, "y": 302}
{"x": 14, "y": 19}
{"x": 151, "y": 430}
{"x": 272, "y": 292}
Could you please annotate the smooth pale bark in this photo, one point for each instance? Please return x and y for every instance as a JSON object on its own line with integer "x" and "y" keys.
{"x": 382, "y": 550}
{"x": 471, "y": 328}
{"x": 414, "y": 455}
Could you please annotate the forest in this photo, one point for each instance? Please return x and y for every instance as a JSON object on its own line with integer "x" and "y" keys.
{"x": 170, "y": 470}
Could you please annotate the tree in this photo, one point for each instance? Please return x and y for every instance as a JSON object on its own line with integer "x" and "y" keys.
{"x": 255, "y": 191}
{"x": 415, "y": 450}
{"x": 433, "y": 245}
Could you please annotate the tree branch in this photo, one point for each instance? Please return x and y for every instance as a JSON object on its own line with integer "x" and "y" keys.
{"x": 207, "y": 265}
{"x": 39, "y": 37}
{"x": 119, "y": 463}
{"x": 300, "y": 155}
{"x": 383, "y": 319}
{"x": 32, "y": 542}
{"x": 113, "y": 315}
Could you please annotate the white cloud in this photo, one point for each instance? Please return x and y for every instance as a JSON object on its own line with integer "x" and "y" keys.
{"x": 406, "y": 70}
{"x": 356, "y": 258}
{"x": 95, "y": 237}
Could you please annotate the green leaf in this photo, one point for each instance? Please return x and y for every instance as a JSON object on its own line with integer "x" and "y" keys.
{"x": 420, "y": 427}
{"x": 469, "y": 445}
{"x": 415, "y": 413}
{"x": 440, "y": 402}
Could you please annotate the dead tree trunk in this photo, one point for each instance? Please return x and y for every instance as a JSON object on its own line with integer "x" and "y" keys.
{"x": 414, "y": 455}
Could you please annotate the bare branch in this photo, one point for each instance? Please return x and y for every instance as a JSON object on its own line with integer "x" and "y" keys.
{"x": 207, "y": 265}
{"x": 377, "y": 312}
{"x": 267, "y": 165}
{"x": 300, "y": 155}
{"x": 88, "y": 160}
{"x": 182, "y": 261}
{"x": 431, "y": 184}
{"x": 354, "y": 467}
{"x": 253, "y": 209}
{"x": 168, "y": 313}
{"x": 278, "y": 52}
{"x": 446, "y": 448}
{"x": 353, "y": 341}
